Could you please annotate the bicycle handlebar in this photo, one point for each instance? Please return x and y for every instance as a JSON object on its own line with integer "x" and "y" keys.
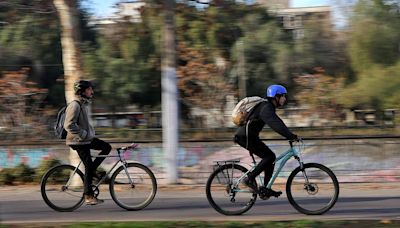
{"x": 295, "y": 140}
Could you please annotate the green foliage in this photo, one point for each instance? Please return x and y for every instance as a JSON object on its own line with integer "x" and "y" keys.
{"x": 23, "y": 173}
{"x": 44, "y": 166}
{"x": 7, "y": 176}
{"x": 126, "y": 66}
{"x": 376, "y": 88}
{"x": 31, "y": 38}
{"x": 374, "y": 56}
{"x": 125, "y": 58}
{"x": 265, "y": 56}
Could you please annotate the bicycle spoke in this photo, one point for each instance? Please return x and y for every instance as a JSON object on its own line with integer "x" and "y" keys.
{"x": 315, "y": 196}
{"x": 224, "y": 192}
{"x": 55, "y": 192}
{"x": 133, "y": 195}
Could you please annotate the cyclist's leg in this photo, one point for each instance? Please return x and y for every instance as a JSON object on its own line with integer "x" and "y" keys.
{"x": 84, "y": 154}
{"x": 257, "y": 147}
{"x": 98, "y": 144}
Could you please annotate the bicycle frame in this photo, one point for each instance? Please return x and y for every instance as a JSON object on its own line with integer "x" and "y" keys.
{"x": 120, "y": 160}
{"x": 282, "y": 159}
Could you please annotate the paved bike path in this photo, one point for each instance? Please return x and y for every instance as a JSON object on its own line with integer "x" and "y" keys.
{"x": 25, "y": 205}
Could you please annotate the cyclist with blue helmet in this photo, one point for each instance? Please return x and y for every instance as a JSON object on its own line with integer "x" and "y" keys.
{"x": 247, "y": 135}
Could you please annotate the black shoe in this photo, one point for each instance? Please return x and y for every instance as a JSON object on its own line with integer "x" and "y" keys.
{"x": 251, "y": 183}
{"x": 273, "y": 193}
{"x": 99, "y": 175}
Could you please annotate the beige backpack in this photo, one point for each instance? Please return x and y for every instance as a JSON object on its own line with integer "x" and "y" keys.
{"x": 243, "y": 108}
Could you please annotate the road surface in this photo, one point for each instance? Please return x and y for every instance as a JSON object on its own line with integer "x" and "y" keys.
{"x": 25, "y": 205}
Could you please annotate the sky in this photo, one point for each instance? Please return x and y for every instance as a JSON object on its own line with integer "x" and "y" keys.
{"x": 104, "y": 8}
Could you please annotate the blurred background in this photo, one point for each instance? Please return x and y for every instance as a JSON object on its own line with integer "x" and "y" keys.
{"x": 339, "y": 59}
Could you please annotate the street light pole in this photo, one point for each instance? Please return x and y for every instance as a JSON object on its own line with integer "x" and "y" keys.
{"x": 169, "y": 93}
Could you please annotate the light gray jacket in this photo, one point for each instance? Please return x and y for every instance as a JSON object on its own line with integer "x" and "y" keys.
{"x": 80, "y": 132}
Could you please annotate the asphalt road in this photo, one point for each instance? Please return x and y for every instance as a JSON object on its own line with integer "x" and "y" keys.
{"x": 24, "y": 205}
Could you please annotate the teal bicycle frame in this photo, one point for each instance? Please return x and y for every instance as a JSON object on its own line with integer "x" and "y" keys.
{"x": 282, "y": 159}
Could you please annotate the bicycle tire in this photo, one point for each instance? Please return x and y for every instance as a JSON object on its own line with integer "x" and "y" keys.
{"x": 210, "y": 198}
{"x": 316, "y": 187}
{"x": 117, "y": 180}
{"x": 45, "y": 184}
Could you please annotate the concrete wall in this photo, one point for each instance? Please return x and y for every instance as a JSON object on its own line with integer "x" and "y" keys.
{"x": 360, "y": 160}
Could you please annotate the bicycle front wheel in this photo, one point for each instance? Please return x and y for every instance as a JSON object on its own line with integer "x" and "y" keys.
{"x": 313, "y": 190}
{"x": 62, "y": 188}
{"x": 134, "y": 188}
{"x": 225, "y": 194}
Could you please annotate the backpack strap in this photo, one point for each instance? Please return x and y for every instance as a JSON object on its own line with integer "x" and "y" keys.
{"x": 254, "y": 109}
{"x": 247, "y": 134}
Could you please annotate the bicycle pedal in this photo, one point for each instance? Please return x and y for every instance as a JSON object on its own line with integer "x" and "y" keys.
{"x": 264, "y": 197}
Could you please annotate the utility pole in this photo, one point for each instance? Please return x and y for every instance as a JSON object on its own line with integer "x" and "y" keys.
{"x": 169, "y": 93}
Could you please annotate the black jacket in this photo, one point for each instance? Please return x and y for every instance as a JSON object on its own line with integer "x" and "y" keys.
{"x": 264, "y": 113}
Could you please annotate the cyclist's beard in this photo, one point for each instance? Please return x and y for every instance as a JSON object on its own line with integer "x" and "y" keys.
{"x": 86, "y": 97}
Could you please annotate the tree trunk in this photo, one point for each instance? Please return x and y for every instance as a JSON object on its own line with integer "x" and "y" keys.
{"x": 70, "y": 38}
{"x": 71, "y": 56}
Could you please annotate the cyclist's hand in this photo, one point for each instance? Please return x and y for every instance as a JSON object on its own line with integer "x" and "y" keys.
{"x": 296, "y": 139}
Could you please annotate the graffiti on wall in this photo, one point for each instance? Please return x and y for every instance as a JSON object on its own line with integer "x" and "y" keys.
{"x": 32, "y": 157}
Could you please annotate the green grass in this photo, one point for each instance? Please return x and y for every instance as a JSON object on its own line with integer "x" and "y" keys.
{"x": 229, "y": 224}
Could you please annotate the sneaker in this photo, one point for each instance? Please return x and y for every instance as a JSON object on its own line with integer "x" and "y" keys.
{"x": 251, "y": 183}
{"x": 91, "y": 200}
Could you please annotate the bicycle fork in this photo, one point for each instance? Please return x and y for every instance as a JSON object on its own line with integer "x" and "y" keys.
{"x": 125, "y": 165}
{"x": 307, "y": 184}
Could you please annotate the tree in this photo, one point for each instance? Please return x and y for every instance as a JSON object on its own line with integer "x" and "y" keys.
{"x": 20, "y": 108}
{"x": 126, "y": 65}
{"x": 374, "y": 45}
{"x": 266, "y": 55}
{"x": 319, "y": 93}
{"x": 199, "y": 79}
{"x": 71, "y": 55}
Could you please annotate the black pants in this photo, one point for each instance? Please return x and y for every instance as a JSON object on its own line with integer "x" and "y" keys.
{"x": 91, "y": 166}
{"x": 257, "y": 147}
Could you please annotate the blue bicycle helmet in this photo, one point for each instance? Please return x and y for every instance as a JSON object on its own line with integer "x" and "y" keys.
{"x": 274, "y": 90}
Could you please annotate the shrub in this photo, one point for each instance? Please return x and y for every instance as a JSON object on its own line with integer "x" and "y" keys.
{"x": 6, "y": 176}
{"x": 44, "y": 166}
{"x": 23, "y": 173}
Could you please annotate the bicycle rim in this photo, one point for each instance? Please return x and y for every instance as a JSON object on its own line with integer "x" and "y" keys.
{"x": 225, "y": 195}
{"x": 136, "y": 195}
{"x": 317, "y": 196}
{"x": 55, "y": 191}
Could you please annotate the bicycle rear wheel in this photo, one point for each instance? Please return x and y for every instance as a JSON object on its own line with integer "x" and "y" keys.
{"x": 62, "y": 188}
{"x": 136, "y": 195}
{"x": 226, "y": 195}
{"x": 315, "y": 196}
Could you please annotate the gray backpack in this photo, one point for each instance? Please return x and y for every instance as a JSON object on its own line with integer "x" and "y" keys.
{"x": 59, "y": 130}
